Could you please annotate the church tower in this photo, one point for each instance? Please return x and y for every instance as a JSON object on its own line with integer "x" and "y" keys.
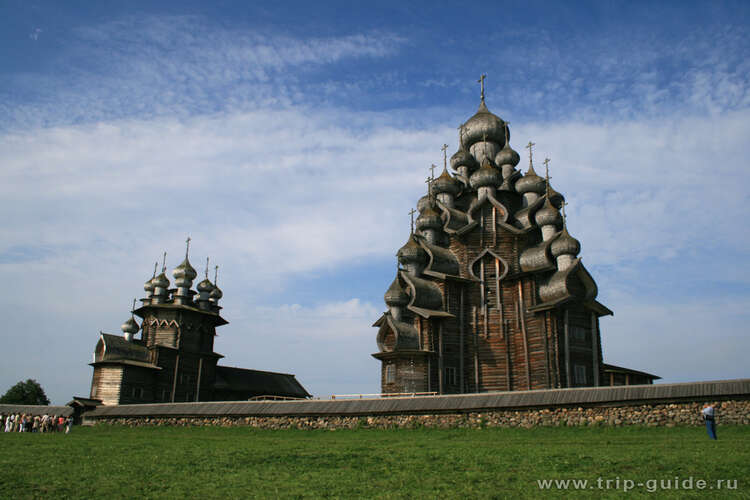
{"x": 490, "y": 293}
{"x": 174, "y": 360}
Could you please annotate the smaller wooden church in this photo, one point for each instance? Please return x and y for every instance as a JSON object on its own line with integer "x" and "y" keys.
{"x": 174, "y": 360}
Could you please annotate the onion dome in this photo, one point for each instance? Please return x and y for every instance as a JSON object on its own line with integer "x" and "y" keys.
{"x": 547, "y": 215}
{"x": 130, "y": 326}
{"x": 205, "y": 286}
{"x": 149, "y": 286}
{"x": 507, "y": 156}
{"x": 216, "y": 293}
{"x": 556, "y": 198}
{"x": 411, "y": 252}
{"x": 184, "y": 274}
{"x": 483, "y": 124}
{"x": 446, "y": 183}
{"x": 424, "y": 202}
{"x": 429, "y": 219}
{"x": 161, "y": 281}
{"x": 463, "y": 158}
{"x": 395, "y": 295}
{"x": 531, "y": 183}
{"x": 486, "y": 176}
{"x": 565, "y": 244}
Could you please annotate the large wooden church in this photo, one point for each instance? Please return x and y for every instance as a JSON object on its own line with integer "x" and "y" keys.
{"x": 174, "y": 360}
{"x": 491, "y": 293}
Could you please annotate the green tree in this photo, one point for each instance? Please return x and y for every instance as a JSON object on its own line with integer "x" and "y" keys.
{"x": 25, "y": 393}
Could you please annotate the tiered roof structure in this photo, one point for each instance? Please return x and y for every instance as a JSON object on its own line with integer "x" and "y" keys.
{"x": 490, "y": 292}
{"x": 174, "y": 360}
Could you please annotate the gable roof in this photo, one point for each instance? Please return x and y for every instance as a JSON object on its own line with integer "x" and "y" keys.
{"x": 258, "y": 383}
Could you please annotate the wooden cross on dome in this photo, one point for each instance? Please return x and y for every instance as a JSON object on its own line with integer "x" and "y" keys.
{"x": 216, "y": 274}
{"x": 445, "y": 156}
{"x": 156, "y": 264}
{"x": 529, "y": 146}
{"x": 546, "y": 175}
{"x": 133, "y": 309}
{"x": 164, "y": 262}
{"x": 411, "y": 213}
{"x": 481, "y": 83}
{"x": 187, "y": 248}
{"x": 432, "y": 171}
{"x": 206, "y": 267}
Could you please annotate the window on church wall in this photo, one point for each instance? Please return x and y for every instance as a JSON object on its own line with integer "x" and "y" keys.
{"x": 390, "y": 374}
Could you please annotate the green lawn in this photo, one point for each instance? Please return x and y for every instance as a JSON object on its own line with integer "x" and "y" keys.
{"x": 209, "y": 462}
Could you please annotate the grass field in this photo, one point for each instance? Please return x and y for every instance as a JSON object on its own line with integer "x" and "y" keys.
{"x": 209, "y": 462}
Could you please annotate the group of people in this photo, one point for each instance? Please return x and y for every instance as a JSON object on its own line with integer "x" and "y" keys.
{"x": 21, "y": 422}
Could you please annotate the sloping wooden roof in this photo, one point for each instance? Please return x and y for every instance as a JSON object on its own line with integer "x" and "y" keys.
{"x": 588, "y": 396}
{"x": 258, "y": 383}
{"x": 619, "y": 369}
{"x": 65, "y": 411}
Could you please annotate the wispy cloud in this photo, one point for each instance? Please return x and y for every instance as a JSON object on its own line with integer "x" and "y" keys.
{"x": 161, "y": 66}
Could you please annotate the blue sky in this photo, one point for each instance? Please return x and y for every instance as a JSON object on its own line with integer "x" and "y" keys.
{"x": 291, "y": 140}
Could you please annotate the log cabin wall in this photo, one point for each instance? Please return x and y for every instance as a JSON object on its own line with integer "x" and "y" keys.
{"x": 107, "y": 381}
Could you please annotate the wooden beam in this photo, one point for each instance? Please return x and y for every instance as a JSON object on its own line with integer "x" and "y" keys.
{"x": 595, "y": 348}
{"x": 461, "y": 329}
{"x": 476, "y": 353}
{"x": 494, "y": 226}
{"x": 440, "y": 360}
{"x": 198, "y": 385}
{"x": 566, "y": 333}
{"x": 546, "y": 351}
{"x": 525, "y": 336}
{"x": 174, "y": 378}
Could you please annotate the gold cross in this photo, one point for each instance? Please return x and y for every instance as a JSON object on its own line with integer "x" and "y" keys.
{"x": 481, "y": 82}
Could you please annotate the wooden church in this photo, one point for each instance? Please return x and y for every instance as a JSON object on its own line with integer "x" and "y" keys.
{"x": 491, "y": 293}
{"x": 174, "y": 360}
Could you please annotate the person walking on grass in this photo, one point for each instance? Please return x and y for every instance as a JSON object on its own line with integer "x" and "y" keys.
{"x": 709, "y": 415}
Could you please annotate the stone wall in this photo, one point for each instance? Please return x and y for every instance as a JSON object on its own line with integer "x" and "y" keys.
{"x": 733, "y": 412}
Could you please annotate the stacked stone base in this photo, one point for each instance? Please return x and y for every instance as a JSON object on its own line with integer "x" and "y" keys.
{"x": 732, "y": 412}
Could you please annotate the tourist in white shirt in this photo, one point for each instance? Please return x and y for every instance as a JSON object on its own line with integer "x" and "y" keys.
{"x": 709, "y": 415}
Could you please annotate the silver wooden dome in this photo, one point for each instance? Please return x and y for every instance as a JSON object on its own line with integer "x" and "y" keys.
{"x": 486, "y": 176}
{"x": 483, "y": 124}
{"x": 565, "y": 244}
{"x": 531, "y": 183}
